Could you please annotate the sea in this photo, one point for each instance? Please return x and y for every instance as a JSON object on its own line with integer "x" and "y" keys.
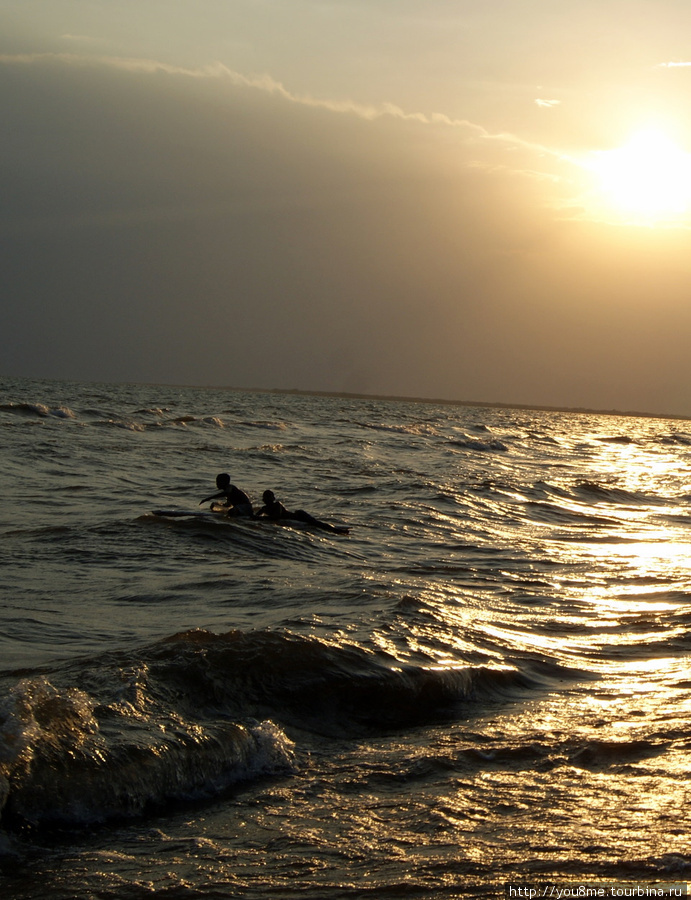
{"x": 483, "y": 689}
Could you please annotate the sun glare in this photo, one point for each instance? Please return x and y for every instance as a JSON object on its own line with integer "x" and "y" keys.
{"x": 646, "y": 181}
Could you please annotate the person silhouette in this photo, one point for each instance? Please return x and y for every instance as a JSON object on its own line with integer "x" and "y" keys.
{"x": 237, "y": 502}
{"x": 274, "y": 509}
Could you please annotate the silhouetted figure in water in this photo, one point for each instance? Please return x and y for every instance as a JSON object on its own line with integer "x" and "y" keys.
{"x": 274, "y": 509}
{"x": 237, "y": 502}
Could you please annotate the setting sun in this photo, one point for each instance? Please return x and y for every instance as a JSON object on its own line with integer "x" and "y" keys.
{"x": 647, "y": 180}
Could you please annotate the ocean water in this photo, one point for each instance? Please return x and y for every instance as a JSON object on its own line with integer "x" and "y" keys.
{"x": 485, "y": 682}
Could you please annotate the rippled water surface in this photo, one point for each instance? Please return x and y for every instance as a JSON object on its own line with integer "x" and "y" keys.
{"x": 487, "y": 680}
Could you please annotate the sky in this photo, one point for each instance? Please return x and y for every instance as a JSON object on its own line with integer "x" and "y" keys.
{"x": 484, "y": 200}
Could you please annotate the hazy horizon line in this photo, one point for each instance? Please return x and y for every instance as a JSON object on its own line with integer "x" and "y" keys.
{"x": 357, "y": 395}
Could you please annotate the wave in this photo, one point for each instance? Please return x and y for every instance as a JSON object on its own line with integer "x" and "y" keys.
{"x": 591, "y": 490}
{"x": 39, "y": 409}
{"x": 65, "y": 759}
{"x": 269, "y": 426}
{"x": 330, "y": 688}
{"x": 198, "y": 712}
{"x": 418, "y": 429}
{"x": 493, "y": 445}
{"x": 589, "y": 755}
{"x": 617, "y": 439}
{"x": 276, "y": 539}
{"x": 141, "y": 419}
{"x": 553, "y": 514}
{"x": 177, "y": 422}
{"x": 676, "y": 438}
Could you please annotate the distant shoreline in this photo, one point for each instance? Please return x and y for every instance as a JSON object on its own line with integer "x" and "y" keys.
{"x": 579, "y": 410}
{"x": 394, "y": 398}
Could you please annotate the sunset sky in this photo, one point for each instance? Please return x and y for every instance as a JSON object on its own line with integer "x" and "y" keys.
{"x": 483, "y": 200}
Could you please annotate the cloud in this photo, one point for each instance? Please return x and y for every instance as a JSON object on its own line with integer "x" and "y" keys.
{"x": 478, "y": 148}
{"x": 673, "y": 65}
{"x": 269, "y": 85}
{"x": 208, "y": 227}
{"x": 548, "y": 104}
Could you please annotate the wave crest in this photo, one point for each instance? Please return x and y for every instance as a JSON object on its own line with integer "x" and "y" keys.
{"x": 66, "y": 760}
